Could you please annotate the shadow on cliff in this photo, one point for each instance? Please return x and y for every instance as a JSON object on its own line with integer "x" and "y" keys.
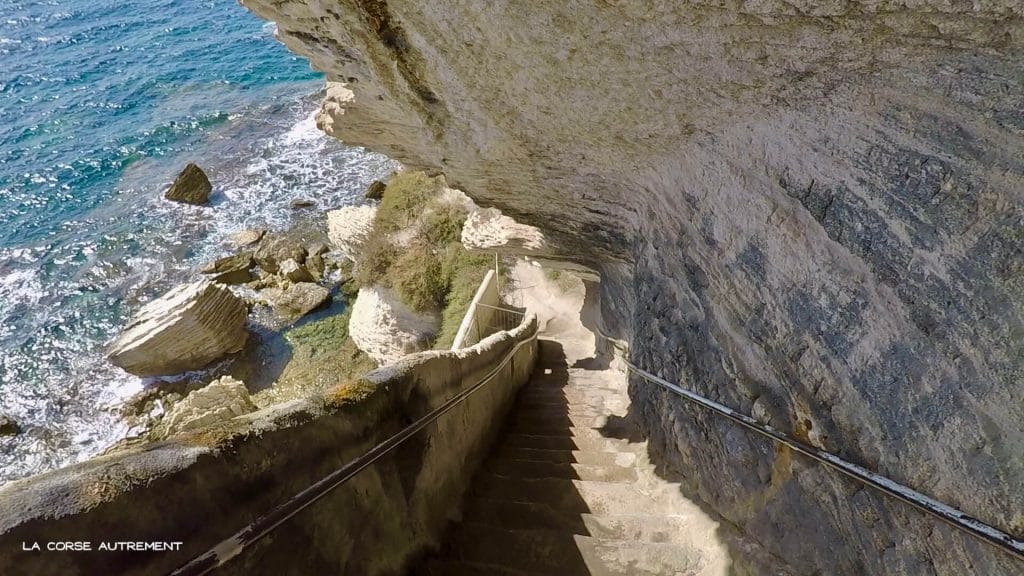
{"x": 745, "y": 556}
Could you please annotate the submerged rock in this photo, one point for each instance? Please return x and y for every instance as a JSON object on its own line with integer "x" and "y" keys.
{"x": 190, "y": 187}
{"x": 385, "y": 328}
{"x": 220, "y": 401}
{"x": 348, "y": 227}
{"x": 9, "y": 426}
{"x": 274, "y": 249}
{"x": 301, "y": 203}
{"x": 246, "y": 237}
{"x": 185, "y": 329}
{"x": 376, "y": 190}
{"x": 296, "y": 299}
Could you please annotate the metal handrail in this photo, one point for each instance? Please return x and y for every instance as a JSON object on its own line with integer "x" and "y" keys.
{"x": 944, "y": 512}
{"x": 233, "y": 546}
{"x": 502, "y": 308}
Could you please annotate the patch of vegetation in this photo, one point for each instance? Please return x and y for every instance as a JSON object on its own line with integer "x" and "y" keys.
{"x": 322, "y": 356}
{"x": 432, "y": 272}
{"x": 417, "y": 277}
{"x": 407, "y": 194}
{"x": 465, "y": 271}
{"x": 378, "y": 253}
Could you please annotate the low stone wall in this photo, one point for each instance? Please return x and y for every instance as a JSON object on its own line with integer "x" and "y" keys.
{"x": 201, "y": 488}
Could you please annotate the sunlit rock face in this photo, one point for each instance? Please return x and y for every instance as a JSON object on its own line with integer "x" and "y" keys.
{"x": 811, "y": 211}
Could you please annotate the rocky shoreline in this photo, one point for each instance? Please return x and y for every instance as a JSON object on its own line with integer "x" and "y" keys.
{"x": 222, "y": 344}
{"x": 284, "y": 314}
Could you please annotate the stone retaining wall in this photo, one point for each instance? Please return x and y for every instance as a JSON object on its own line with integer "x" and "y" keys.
{"x": 202, "y": 487}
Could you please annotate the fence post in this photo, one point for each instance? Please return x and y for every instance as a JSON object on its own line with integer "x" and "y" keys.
{"x": 497, "y": 275}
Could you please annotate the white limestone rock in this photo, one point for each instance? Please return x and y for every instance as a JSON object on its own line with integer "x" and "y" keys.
{"x": 185, "y": 329}
{"x": 348, "y": 227}
{"x": 488, "y": 230}
{"x": 385, "y": 328}
{"x": 221, "y": 400}
{"x": 295, "y": 272}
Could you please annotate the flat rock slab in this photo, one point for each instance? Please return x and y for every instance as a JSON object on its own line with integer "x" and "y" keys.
{"x": 297, "y": 299}
{"x": 185, "y": 329}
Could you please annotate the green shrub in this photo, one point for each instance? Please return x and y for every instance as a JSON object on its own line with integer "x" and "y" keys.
{"x": 375, "y": 259}
{"x": 416, "y": 276}
{"x": 443, "y": 224}
{"x": 463, "y": 272}
{"x": 407, "y": 195}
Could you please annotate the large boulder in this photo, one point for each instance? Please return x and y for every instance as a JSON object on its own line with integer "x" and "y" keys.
{"x": 385, "y": 328}
{"x": 185, "y": 329}
{"x": 296, "y": 299}
{"x": 275, "y": 249}
{"x": 376, "y": 190}
{"x": 190, "y": 187}
{"x": 348, "y": 227}
{"x": 219, "y": 401}
{"x": 9, "y": 426}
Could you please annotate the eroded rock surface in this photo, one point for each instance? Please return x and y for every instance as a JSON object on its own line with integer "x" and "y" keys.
{"x": 274, "y": 249}
{"x": 219, "y": 401}
{"x": 811, "y": 208}
{"x": 185, "y": 329}
{"x": 348, "y": 227}
{"x": 385, "y": 328}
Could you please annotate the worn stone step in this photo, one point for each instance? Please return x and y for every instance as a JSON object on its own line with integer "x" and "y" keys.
{"x": 598, "y": 404}
{"x": 670, "y": 528}
{"x": 583, "y": 389}
{"x": 569, "y": 554}
{"x": 548, "y": 442}
{"x": 557, "y": 423}
{"x": 568, "y": 456}
{"x": 579, "y": 496}
{"x": 530, "y": 469}
{"x": 567, "y": 418}
{"x": 551, "y": 411}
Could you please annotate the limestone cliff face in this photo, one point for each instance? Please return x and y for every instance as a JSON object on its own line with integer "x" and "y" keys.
{"x": 812, "y": 211}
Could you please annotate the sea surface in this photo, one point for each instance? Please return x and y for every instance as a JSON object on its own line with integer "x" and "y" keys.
{"x": 102, "y": 102}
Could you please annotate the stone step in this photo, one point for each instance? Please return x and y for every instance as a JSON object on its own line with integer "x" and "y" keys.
{"x": 569, "y": 554}
{"x": 568, "y": 456}
{"x": 542, "y": 426}
{"x": 548, "y": 442}
{"x": 567, "y": 392}
{"x": 567, "y": 419}
{"x": 583, "y": 388}
{"x": 572, "y": 496}
{"x": 530, "y": 469}
{"x": 551, "y": 411}
{"x": 531, "y": 516}
{"x": 598, "y": 404}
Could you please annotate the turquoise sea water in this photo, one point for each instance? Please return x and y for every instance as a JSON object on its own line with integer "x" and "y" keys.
{"x": 101, "y": 103}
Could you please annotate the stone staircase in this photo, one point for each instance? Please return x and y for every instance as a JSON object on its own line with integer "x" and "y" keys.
{"x": 568, "y": 490}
